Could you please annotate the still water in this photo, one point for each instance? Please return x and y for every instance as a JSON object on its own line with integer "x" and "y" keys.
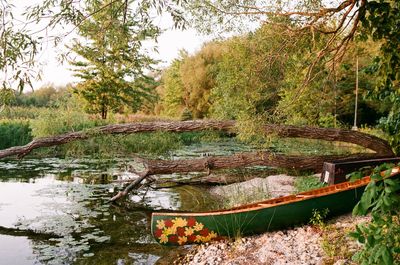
{"x": 56, "y": 211}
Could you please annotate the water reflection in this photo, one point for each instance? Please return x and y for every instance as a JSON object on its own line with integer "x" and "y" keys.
{"x": 16, "y": 250}
{"x": 68, "y": 200}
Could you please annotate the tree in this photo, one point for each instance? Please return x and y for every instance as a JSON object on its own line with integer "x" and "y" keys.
{"x": 188, "y": 82}
{"x": 254, "y": 69}
{"x": 17, "y": 51}
{"x": 23, "y": 36}
{"x": 340, "y": 20}
{"x": 199, "y": 74}
{"x": 113, "y": 63}
{"x": 171, "y": 89}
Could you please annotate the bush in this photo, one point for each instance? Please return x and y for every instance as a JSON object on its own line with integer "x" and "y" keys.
{"x": 186, "y": 115}
{"x": 381, "y": 237}
{"x": 14, "y": 132}
{"x": 56, "y": 121}
{"x": 13, "y": 113}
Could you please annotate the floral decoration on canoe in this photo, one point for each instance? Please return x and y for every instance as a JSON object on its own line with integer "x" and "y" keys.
{"x": 182, "y": 230}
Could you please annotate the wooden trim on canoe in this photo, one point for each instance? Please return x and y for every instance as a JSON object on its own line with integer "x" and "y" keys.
{"x": 307, "y": 195}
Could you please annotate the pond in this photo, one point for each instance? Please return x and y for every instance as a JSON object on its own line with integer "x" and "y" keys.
{"x": 56, "y": 211}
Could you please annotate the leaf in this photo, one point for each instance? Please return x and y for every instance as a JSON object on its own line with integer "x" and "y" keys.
{"x": 387, "y": 257}
{"x": 359, "y": 210}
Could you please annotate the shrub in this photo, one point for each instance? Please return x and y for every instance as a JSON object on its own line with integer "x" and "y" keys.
{"x": 14, "y": 132}
{"x": 186, "y": 115}
{"x": 381, "y": 237}
{"x": 13, "y": 113}
{"x": 57, "y": 121}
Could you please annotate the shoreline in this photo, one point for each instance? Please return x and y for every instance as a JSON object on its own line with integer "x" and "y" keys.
{"x": 320, "y": 243}
{"x": 326, "y": 244}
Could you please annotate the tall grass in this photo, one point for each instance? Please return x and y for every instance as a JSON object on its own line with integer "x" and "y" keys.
{"x": 21, "y": 113}
{"x": 56, "y": 121}
{"x": 307, "y": 183}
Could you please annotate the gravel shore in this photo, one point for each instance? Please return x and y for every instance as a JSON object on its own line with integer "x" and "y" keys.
{"x": 305, "y": 245}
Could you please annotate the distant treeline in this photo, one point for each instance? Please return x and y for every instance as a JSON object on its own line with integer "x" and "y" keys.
{"x": 47, "y": 96}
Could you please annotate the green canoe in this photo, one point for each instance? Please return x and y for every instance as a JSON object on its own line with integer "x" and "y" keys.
{"x": 179, "y": 228}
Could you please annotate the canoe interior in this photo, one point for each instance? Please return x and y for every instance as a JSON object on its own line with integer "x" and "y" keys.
{"x": 198, "y": 227}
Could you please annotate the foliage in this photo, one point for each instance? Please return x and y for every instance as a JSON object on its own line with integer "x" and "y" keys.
{"x": 318, "y": 217}
{"x": 391, "y": 126}
{"x": 380, "y": 20}
{"x": 171, "y": 89}
{"x": 151, "y": 145}
{"x": 113, "y": 63}
{"x": 57, "y": 121}
{"x": 188, "y": 82}
{"x": 17, "y": 51}
{"x": 186, "y": 115}
{"x": 20, "y": 113}
{"x": 307, "y": 183}
{"x": 21, "y": 41}
{"x": 380, "y": 238}
{"x": 47, "y": 96}
{"x": 251, "y": 73}
{"x": 14, "y": 133}
{"x": 198, "y": 73}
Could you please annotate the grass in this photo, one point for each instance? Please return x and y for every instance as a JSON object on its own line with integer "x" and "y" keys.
{"x": 237, "y": 194}
{"x": 307, "y": 183}
{"x": 337, "y": 245}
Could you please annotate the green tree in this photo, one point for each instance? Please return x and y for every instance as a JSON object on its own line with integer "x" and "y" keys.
{"x": 171, "y": 89}
{"x": 113, "y": 63}
{"x": 258, "y": 71}
{"x": 21, "y": 40}
{"x": 341, "y": 21}
{"x": 198, "y": 74}
{"x": 188, "y": 82}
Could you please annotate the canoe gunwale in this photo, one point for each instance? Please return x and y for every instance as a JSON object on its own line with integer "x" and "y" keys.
{"x": 303, "y": 196}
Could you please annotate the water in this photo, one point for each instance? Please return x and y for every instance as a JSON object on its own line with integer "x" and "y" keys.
{"x": 55, "y": 211}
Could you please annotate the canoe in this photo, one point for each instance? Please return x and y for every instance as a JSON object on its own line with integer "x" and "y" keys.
{"x": 179, "y": 228}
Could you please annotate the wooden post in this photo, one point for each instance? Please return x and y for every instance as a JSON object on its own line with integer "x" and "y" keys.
{"x": 355, "y": 128}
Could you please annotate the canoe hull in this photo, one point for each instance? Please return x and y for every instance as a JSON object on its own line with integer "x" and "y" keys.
{"x": 179, "y": 229}
{"x": 188, "y": 228}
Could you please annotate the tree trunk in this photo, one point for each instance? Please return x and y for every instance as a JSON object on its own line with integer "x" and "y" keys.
{"x": 155, "y": 167}
{"x": 379, "y": 146}
{"x": 104, "y": 112}
{"x": 314, "y": 163}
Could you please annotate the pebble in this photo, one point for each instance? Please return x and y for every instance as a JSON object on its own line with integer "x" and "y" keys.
{"x": 298, "y": 246}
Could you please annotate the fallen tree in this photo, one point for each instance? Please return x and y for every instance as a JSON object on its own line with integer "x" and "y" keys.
{"x": 156, "y": 167}
{"x": 379, "y": 146}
